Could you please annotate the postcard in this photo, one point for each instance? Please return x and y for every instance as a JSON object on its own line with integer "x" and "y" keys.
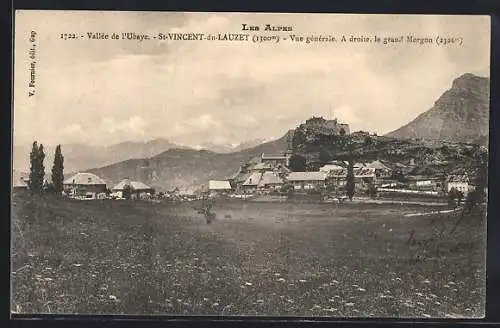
{"x": 249, "y": 164}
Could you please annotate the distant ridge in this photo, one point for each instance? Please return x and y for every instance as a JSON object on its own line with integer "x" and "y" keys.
{"x": 80, "y": 157}
{"x": 187, "y": 169}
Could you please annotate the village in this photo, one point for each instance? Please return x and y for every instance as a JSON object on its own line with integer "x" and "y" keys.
{"x": 272, "y": 177}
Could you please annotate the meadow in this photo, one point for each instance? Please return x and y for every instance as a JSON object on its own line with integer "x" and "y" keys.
{"x": 279, "y": 259}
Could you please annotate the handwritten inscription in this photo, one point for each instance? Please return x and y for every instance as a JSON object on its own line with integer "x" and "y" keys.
{"x": 442, "y": 242}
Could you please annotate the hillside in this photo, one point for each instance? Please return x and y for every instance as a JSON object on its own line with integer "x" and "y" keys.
{"x": 413, "y": 157}
{"x": 461, "y": 114}
{"x": 187, "y": 169}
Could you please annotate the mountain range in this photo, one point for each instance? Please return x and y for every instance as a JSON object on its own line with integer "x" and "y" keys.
{"x": 461, "y": 114}
{"x": 78, "y": 157}
{"x": 186, "y": 169}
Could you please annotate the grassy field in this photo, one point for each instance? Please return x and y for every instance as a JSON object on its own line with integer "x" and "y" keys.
{"x": 120, "y": 257}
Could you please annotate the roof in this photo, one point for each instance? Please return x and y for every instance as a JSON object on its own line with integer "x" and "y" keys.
{"x": 378, "y": 165}
{"x": 242, "y": 177}
{"x": 85, "y": 179}
{"x": 331, "y": 167}
{"x": 421, "y": 178}
{"x": 253, "y": 179}
{"x": 307, "y": 176}
{"x": 458, "y": 178}
{"x": 261, "y": 166}
{"x": 365, "y": 172}
{"x": 273, "y": 156}
{"x": 359, "y": 164}
{"x": 269, "y": 178}
{"x": 135, "y": 185}
{"x": 218, "y": 185}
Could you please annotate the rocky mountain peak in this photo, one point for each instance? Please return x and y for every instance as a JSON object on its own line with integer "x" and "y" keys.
{"x": 461, "y": 114}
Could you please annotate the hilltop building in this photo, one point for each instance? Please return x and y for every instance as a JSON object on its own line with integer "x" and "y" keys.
{"x": 85, "y": 185}
{"x": 332, "y": 127}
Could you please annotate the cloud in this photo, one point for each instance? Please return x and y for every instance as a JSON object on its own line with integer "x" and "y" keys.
{"x": 346, "y": 114}
{"x": 201, "y": 123}
{"x": 117, "y": 131}
{"x": 196, "y": 92}
{"x": 73, "y": 131}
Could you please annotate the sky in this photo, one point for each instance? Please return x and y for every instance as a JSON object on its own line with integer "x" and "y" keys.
{"x": 100, "y": 92}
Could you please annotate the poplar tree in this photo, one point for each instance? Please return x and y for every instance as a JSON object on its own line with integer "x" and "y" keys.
{"x": 350, "y": 185}
{"x": 37, "y": 170}
{"x": 58, "y": 171}
{"x": 41, "y": 167}
{"x": 33, "y": 178}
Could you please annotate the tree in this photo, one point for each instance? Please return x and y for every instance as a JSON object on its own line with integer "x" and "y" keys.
{"x": 452, "y": 195}
{"x": 372, "y": 190}
{"x": 127, "y": 192}
{"x": 298, "y": 163}
{"x": 37, "y": 170}
{"x": 41, "y": 167}
{"x": 58, "y": 171}
{"x": 324, "y": 156}
{"x": 313, "y": 167}
{"x": 478, "y": 195}
{"x": 460, "y": 196}
{"x": 330, "y": 187}
{"x": 350, "y": 185}
{"x": 33, "y": 178}
{"x": 298, "y": 139}
{"x": 288, "y": 189}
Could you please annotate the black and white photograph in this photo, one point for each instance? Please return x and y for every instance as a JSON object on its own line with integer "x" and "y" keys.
{"x": 249, "y": 164}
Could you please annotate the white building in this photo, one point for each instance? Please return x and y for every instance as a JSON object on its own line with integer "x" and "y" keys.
{"x": 460, "y": 183}
{"x": 138, "y": 189}
{"x": 331, "y": 168}
{"x": 85, "y": 185}
{"x": 307, "y": 180}
{"x": 275, "y": 160}
{"x": 219, "y": 185}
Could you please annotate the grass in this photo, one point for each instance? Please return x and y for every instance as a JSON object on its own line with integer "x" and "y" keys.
{"x": 119, "y": 257}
